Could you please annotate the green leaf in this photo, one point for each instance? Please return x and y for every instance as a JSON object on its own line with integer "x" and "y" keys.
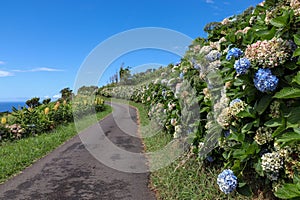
{"x": 247, "y": 127}
{"x": 266, "y": 34}
{"x": 289, "y": 137}
{"x": 293, "y": 118}
{"x": 280, "y": 21}
{"x": 297, "y": 39}
{"x": 274, "y": 122}
{"x": 296, "y": 52}
{"x": 245, "y": 190}
{"x": 296, "y": 79}
{"x": 288, "y": 93}
{"x": 288, "y": 191}
{"x": 263, "y": 104}
{"x": 279, "y": 130}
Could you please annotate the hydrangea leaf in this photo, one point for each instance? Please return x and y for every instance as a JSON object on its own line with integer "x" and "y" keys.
{"x": 296, "y": 52}
{"x": 297, "y": 39}
{"x": 274, "y": 122}
{"x": 296, "y": 79}
{"x": 280, "y": 21}
{"x": 245, "y": 190}
{"x": 288, "y": 191}
{"x": 288, "y": 93}
{"x": 263, "y": 104}
{"x": 289, "y": 137}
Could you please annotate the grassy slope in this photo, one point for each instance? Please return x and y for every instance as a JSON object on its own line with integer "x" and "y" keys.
{"x": 17, "y": 155}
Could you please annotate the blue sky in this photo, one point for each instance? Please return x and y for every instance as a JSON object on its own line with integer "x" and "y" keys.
{"x": 43, "y": 43}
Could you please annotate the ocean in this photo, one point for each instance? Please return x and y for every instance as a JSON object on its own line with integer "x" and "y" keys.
{"x": 7, "y": 106}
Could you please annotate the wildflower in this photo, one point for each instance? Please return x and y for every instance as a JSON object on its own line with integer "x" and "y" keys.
{"x": 227, "y": 181}
{"x": 263, "y": 135}
{"x": 46, "y": 111}
{"x": 3, "y": 120}
{"x": 235, "y": 52}
{"x": 236, "y": 106}
{"x": 242, "y": 65}
{"x": 264, "y": 81}
{"x": 271, "y": 164}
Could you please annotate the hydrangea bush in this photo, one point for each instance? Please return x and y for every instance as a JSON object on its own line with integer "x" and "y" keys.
{"x": 245, "y": 82}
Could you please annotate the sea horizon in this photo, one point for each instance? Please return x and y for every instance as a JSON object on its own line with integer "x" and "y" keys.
{"x": 6, "y": 106}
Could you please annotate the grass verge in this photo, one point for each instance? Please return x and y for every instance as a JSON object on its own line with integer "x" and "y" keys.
{"x": 17, "y": 155}
{"x": 186, "y": 178}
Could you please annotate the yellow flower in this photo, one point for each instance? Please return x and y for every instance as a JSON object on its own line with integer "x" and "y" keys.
{"x": 46, "y": 111}
{"x": 3, "y": 120}
{"x": 56, "y": 106}
{"x": 65, "y": 102}
{"x": 30, "y": 109}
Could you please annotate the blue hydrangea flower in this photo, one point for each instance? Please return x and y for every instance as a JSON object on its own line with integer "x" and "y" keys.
{"x": 237, "y": 100}
{"x": 264, "y": 81}
{"x": 210, "y": 159}
{"x": 235, "y": 52}
{"x": 181, "y": 75}
{"x": 226, "y": 133}
{"x": 227, "y": 181}
{"x": 242, "y": 65}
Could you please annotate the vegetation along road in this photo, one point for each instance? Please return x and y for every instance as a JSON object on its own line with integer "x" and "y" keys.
{"x": 71, "y": 172}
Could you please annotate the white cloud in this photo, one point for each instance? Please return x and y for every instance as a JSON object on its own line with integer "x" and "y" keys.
{"x": 56, "y": 96}
{"x": 209, "y": 1}
{"x": 2, "y": 62}
{"x": 5, "y": 73}
{"x": 41, "y": 69}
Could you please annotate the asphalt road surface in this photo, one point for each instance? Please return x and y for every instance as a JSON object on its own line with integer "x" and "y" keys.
{"x": 71, "y": 172}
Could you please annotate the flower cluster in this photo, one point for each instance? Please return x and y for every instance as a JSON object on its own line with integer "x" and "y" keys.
{"x": 236, "y": 106}
{"x": 263, "y": 135}
{"x": 224, "y": 118}
{"x": 268, "y": 53}
{"x": 16, "y": 130}
{"x": 244, "y": 31}
{"x": 213, "y": 55}
{"x": 234, "y": 52}
{"x": 295, "y": 5}
{"x": 178, "y": 131}
{"x": 242, "y": 65}
{"x": 264, "y": 81}
{"x": 271, "y": 164}
{"x": 227, "y": 181}
{"x": 275, "y": 109}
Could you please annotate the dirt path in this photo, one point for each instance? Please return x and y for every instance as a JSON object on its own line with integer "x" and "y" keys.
{"x": 71, "y": 172}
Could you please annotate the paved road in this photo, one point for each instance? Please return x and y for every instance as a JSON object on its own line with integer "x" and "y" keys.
{"x": 71, "y": 172}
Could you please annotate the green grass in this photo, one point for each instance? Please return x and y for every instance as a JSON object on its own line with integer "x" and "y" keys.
{"x": 186, "y": 178}
{"x": 17, "y": 155}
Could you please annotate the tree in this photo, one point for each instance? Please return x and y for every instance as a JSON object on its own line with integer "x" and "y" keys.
{"x": 66, "y": 94}
{"x": 34, "y": 102}
{"x": 46, "y": 101}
